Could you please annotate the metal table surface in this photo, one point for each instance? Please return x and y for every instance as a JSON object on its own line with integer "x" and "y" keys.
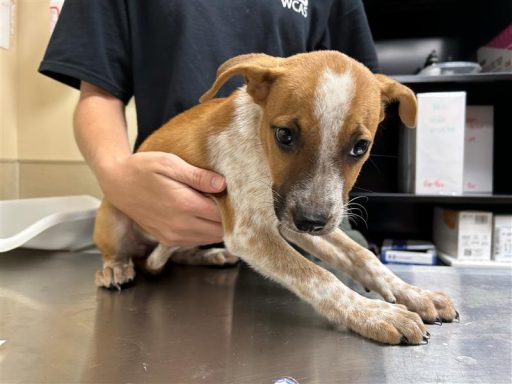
{"x": 206, "y": 325}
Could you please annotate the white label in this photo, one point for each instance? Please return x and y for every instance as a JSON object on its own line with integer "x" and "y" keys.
{"x": 5, "y": 23}
{"x": 503, "y": 239}
{"x": 475, "y": 233}
{"x": 396, "y": 256}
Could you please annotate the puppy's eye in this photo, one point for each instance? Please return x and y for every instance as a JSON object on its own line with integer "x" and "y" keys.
{"x": 360, "y": 148}
{"x": 284, "y": 136}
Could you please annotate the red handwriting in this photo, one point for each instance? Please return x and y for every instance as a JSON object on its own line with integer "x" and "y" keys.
{"x": 475, "y": 123}
{"x": 437, "y": 183}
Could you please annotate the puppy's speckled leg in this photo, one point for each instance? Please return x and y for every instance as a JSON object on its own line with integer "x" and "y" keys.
{"x": 343, "y": 253}
{"x": 375, "y": 319}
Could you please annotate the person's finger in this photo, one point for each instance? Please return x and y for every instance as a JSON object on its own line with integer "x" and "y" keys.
{"x": 207, "y": 232}
{"x": 195, "y": 232}
{"x": 195, "y": 203}
{"x": 197, "y": 178}
{"x": 208, "y": 210}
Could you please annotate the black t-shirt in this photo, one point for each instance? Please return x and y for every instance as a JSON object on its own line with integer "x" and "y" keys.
{"x": 165, "y": 53}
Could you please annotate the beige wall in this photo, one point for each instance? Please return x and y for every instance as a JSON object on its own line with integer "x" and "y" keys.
{"x": 8, "y": 116}
{"x": 38, "y": 154}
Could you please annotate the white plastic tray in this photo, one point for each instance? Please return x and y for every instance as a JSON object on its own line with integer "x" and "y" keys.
{"x": 52, "y": 223}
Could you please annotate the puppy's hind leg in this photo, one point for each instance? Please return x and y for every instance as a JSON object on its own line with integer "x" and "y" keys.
{"x": 188, "y": 256}
{"x": 158, "y": 258}
{"x": 204, "y": 257}
{"x": 118, "y": 240}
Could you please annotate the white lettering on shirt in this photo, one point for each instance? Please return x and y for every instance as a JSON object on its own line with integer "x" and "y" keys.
{"x": 299, "y": 6}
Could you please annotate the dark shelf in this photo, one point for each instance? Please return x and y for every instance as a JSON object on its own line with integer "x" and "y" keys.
{"x": 441, "y": 199}
{"x": 474, "y": 78}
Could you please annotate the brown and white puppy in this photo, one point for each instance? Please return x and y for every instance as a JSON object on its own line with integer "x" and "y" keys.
{"x": 290, "y": 144}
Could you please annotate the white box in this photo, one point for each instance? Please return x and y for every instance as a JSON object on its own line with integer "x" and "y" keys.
{"x": 453, "y": 146}
{"x": 478, "y": 149}
{"x": 493, "y": 59}
{"x": 395, "y": 256}
{"x": 464, "y": 235}
{"x": 440, "y": 143}
{"x": 502, "y": 244}
{"x": 408, "y": 252}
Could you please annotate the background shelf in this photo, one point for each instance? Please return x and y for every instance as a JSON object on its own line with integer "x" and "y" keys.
{"x": 491, "y": 199}
{"x": 472, "y": 78}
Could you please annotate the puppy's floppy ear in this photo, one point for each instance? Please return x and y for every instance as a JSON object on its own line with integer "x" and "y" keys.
{"x": 394, "y": 91}
{"x": 259, "y": 70}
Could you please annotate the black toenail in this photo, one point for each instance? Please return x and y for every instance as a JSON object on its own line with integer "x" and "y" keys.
{"x": 438, "y": 321}
{"x": 457, "y": 316}
{"x": 404, "y": 340}
{"x": 367, "y": 290}
{"x": 425, "y": 340}
{"x": 427, "y": 335}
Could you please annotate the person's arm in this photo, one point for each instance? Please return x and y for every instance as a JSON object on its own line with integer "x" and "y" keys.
{"x": 159, "y": 191}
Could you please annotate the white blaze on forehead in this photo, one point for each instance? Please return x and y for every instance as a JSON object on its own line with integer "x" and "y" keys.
{"x": 333, "y": 99}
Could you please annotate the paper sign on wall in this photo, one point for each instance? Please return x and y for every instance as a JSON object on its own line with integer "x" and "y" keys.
{"x": 5, "y": 23}
{"x": 55, "y": 8}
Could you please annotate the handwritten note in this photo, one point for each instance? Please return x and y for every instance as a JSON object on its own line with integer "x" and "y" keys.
{"x": 440, "y": 143}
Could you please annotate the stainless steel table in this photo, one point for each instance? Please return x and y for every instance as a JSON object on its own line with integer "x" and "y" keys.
{"x": 206, "y": 325}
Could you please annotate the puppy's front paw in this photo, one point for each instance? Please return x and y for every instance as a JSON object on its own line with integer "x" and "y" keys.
{"x": 387, "y": 323}
{"x": 433, "y": 307}
{"x": 115, "y": 275}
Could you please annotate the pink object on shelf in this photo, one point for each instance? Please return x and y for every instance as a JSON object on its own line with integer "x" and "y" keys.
{"x": 503, "y": 40}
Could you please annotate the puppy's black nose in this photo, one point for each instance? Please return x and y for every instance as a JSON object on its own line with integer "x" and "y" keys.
{"x": 309, "y": 222}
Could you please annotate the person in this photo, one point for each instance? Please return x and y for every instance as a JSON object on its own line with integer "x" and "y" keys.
{"x": 165, "y": 53}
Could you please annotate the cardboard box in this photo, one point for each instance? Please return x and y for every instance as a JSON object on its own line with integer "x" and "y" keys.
{"x": 478, "y": 149}
{"x": 440, "y": 143}
{"x": 464, "y": 235}
{"x": 502, "y": 238}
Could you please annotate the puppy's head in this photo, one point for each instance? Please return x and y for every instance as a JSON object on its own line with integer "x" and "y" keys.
{"x": 320, "y": 112}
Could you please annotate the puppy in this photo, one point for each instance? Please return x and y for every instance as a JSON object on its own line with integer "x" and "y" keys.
{"x": 290, "y": 143}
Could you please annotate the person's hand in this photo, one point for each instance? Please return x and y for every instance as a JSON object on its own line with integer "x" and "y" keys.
{"x": 160, "y": 192}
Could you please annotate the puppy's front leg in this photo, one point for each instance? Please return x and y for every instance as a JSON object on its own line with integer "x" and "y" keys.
{"x": 363, "y": 266}
{"x": 266, "y": 251}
